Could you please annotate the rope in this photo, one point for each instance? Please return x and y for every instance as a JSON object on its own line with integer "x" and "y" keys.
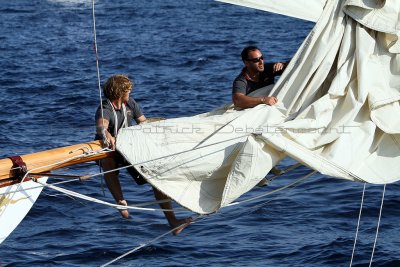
{"x": 18, "y": 189}
{"x": 358, "y": 226}
{"x": 263, "y": 203}
{"x": 201, "y": 216}
{"x": 274, "y": 191}
{"x": 377, "y": 227}
{"x": 93, "y": 208}
{"x": 149, "y": 242}
{"x": 322, "y": 159}
{"x": 139, "y": 206}
{"x": 95, "y": 200}
{"x": 89, "y": 153}
{"x": 57, "y": 176}
{"x": 159, "y": 158}
{"x": 288, "y": 169}
{"x": 36, "y": 187}
{"x": 97, "y": 59}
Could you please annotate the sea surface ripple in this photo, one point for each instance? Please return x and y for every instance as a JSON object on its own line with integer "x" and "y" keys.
{"x": 183, "y": 57}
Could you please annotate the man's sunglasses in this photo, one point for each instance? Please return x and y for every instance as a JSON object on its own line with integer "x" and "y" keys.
{"x": 255, "y": 60}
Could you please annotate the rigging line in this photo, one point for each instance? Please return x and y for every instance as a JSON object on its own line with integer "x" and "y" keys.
{"x": 217, "y": 131}
{"x": 149, "y": 203}
{"x": 163, "y": 157}
{"x": 57, "y": 176}
{"x": 66, "y": 181}
{"x": 263, "y": 203}
{"x": 97, "y": 60}
{"x": 29, "y": 171}
{"x": 288, "y": 169}
{"x": 36, "y": 187}
{"x": 98, "y": 201}
{"x": 95, "y": 209}
{"x": 85, "y": 154}
{"x": 266, "y": 202}
{"x": 89, "y": 153}
{"x": 323, "y": 159}
{"x": 82, "y": 165}
{"x": 135, "y": 218}
{"x": 150, "y": 242}
{"x": 15, "y": 168}
{"x": 358, "y": 225}
{"x": 273, "y": 191}
{"x": 163, "y": 201}
{"x": 377, "y": 227}
{"x": 61, "y": 162}
{"x": 76, "y": 180}
{"x": 199, "y": 216}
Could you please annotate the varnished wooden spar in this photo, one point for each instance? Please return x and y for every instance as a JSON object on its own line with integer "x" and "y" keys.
{"x": 40, "y": 161}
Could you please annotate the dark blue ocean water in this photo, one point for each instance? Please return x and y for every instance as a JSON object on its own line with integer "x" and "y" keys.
{"x": 183, "y": 56}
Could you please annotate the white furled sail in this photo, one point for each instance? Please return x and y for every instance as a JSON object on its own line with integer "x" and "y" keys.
{"x": 307, "y": 10}
{"x": 337, "y": 113}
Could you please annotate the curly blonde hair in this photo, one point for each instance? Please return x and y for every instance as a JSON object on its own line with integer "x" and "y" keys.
{"x": 116, "y": 86}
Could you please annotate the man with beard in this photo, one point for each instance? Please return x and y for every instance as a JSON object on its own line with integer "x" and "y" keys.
{"x": 118, "y": 111}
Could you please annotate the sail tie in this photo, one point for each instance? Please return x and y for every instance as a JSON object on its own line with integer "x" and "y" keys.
{"x": 19, "y": 168}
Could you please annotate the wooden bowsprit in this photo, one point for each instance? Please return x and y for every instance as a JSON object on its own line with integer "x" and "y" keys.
{"x": 18, "y": 189}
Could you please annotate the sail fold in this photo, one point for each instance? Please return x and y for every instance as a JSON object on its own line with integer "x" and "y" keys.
{"x": 338, "y": 101}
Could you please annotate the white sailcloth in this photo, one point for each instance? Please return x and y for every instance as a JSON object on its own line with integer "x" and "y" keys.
{"x": 337, "y": 113}
{"x": 307, "y": 10}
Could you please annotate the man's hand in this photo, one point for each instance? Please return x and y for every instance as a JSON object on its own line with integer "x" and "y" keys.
{"x": 243, "y": 101}
{"x": 110, "y": 141}
{"x": 278, "y": 66}
{"x": 270, "y": 100}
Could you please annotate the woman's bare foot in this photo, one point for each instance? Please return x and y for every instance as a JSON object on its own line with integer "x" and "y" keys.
{"x": 182, "y": 223}
{"x": 124, "y": 212}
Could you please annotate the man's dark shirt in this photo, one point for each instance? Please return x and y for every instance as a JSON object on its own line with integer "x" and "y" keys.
{"x": 243, "y": 84}
{"x": 133, "y": 113}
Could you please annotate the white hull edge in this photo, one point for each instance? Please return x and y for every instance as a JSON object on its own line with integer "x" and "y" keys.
{"x": 15, "y": 202}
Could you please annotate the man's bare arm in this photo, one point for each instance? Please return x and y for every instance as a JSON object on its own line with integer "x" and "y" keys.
{"x": 243, "y": 101}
